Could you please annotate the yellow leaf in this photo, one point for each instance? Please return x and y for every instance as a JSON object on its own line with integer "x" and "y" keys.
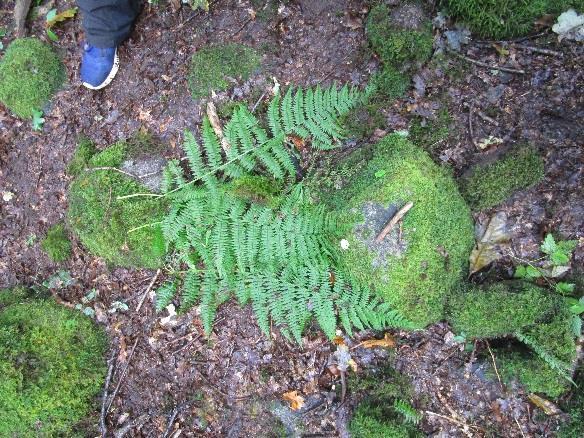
{"x": 353, "y": 365}
{"x": 387, "y": 342}
{"x": 490, "y": 246}
{"x": 547, "y": 406}
{"x": 62, "y": 16}
{"x": 338, "y": 340}
{"x": 295, "y": 400}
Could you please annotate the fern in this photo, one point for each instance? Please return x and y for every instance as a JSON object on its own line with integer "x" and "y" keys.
{"x": 278, "y": 256}
{"x": 164, "y": 295}
{"x": 553, "y": 362}
{"x": 407, "y": 411}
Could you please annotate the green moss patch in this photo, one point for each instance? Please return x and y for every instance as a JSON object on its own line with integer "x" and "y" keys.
{"x": 102, "y": 222}
{"x": 500, "y": 19}
{"x": 57, "y": 244}
{"x": 428, "y": 134}
{"x": 213, "y": 67}
{"x": 52, "y": 365}
{"x": 490, "y": 185}
{"x": 30, "y": 73}
{"x": 414, "y": 269}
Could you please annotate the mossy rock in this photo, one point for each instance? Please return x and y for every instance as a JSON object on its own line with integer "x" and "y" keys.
{"x": 420, "y": 262}
{"x": 103, "y": 222}
{"x": 490, "y": 185}
{"x": 503, "y": 309}
{"x": 216, "y": 67}
{"x": 30, "y": 73}
{"x": 52, "y": 365}
{"x": 500, "y": 19}
{"x": 57, "y": 244}
{"x": 371, "y": 421}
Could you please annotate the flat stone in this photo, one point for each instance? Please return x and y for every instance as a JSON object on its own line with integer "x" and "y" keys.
{"x": 147, "y": 170}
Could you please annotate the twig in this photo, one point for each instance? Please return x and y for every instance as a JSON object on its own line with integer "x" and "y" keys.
{"x": 394, "y": 220}
{"x": 131, "y": 175}
{"x": 539, "y": 50}
{"x": 122, "y": 375}
{"x": 519, "y": 426}
{"x": 171, "y": 421}
{"x": 495, "y": 365}
{"x": 139, "y": 306}
{"x": 482, "y": 64}
{"x": 343, "y": 386}
{"x": 460, "y": 423}
{"x": 137, "y": 422}
{"x": 243, "y": 26}
{"x": 103, "y": 414}
{"x": 470, "y": 127}
{"x": 482, "y": 115}
{"x": 258, "y": 102}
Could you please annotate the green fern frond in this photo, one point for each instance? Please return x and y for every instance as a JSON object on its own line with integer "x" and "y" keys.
{"x": 410, "y": 414}
{"x": 164, "y": 295}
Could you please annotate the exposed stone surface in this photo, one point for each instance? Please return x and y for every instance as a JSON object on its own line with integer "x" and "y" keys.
{"x": 147, "y": 170}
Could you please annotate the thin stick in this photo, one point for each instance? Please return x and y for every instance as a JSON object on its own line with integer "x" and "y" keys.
{"x": 122, "y": 376}
{"x": 343, "y": 386}
{"x": 139, "y": 306}
{"x": 137, "y": 422}
{"x": 258, "y": 102}
{"x": 394, "y": 220}
{"x": 539, "y": 50}
{"x": 519, "y": 426}
{"x": 460, "y": 423}
{"x": 470, "y": 127}
{"x": 482, "y": 115}
{"x": 133, "y": 230}
{"x": 170, "y": 421}
{"x": 131, "y": 175}
{"x": 103, "y": 414}
{"x": 495, "y": 365}
{"x": 482, "y": 64}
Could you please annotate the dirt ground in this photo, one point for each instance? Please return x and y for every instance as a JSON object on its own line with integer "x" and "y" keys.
{"x": 173, "y": 380}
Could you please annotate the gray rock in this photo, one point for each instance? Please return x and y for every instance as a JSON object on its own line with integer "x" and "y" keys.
{"x": 408, "y": 16}
{"x": 147, "y": 170}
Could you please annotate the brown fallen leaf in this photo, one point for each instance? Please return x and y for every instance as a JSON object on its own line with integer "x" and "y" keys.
{"x": 61, "y": 16}
{"x": 216, "y": 125}
{"x": 296, "y": 401}
{"x": 338, "y": 340}
{"x": 298, "y": 142}
{"x": 490, "y": 243}
{"x": 547, "y": 406}
{"x": 388, "y": 341}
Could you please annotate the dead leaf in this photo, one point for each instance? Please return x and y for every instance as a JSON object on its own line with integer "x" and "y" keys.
{"x": 298, "y": 142}
{"x": 353, "y": 365}
{"x": 216, "y": 125}
{"x": 296, "y": 401}
{"x": 61, "y": 16}
{"x": 501, "y": 50}
{"x": 547, "y": 406}
{"x": 338, "y": 340}
{"x": 388, "y": 341}
{"x": 353, "y": 22}
{"x": 491, "y": 243}
{"x": 489, "y": 141}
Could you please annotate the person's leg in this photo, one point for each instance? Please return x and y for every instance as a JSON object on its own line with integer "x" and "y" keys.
{"x": 106, "y": 23}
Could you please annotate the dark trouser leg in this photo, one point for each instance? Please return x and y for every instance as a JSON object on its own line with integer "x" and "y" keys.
{"x": 108, "y": 22}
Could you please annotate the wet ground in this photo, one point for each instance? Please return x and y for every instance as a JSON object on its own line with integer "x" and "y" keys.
{"x": 171, "y": 378}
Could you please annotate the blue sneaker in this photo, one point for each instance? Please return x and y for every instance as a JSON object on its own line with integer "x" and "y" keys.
{"x": 98, "y": 66}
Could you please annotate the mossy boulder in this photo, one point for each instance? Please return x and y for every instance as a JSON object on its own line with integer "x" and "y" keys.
{"x": 373, "y": 421}
{"x": 103, "y": 222}
{"x": 420, "y": 262}
{"x": 30, "y": 73}
{"x": 217, "y": 67}
{"x": 52, "y": 365}
{"x": 507, "y": 308}
{"x": 57, "y": 244}
{"x": 500, "y": 19}
{"x": 489, "y": 185}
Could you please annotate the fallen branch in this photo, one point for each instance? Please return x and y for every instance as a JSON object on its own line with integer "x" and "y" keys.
{"x": 495, "y": 365}
{"x": 482, "y": 64}
{"x": 137, "y": 422}
{"x": 139, "y": 306}
{"x": 122, "y": 376}
{"x": 539, "y": 50}
{"x": 115, "y": 169}
{"x": 170, "y": 422}
{"x": 470, "y": 127}
{"x": 482, "y": 115}
{"x": 103, "y": 414}
{"x": 394, "y": 220}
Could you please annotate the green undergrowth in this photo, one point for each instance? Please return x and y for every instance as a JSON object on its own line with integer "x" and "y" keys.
{"x": 428, "y": 134}
{"x": 215, "y": 68}
{"x": 541, "y": 320}
{"x": 384, "y": 410}
{"x": 30, "y": 73}
{"x": 574, "y": 407}
{"x": 490, "y": 185}
{"x": 57, "y": 244}
{"x": 52, "y": 365}
{"x": 499, "y": 19}
{"x": 101, "y": 221}
{"x": 437, "y": 231}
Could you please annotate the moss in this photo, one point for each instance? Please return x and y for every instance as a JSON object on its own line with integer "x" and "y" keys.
{"x": 500, "y": 19}
{"x": 257, "y": 189}
{"x": 500, "y": 309}
{"x": 362, "y": 121}
{"x": 372, "y": 422}
{"x": 402, "y": 49}
{"x": 80, "y": 161}
{"x": 102, "y": 222}
{"x": 30, "y": 73}
{"x": 390, "y": 83}
{"x": 57, "y": 244}
{"x": 433, "y": 132}
{"x": 52, "y": 365}
{"x": 490, "y": 185}
{"x": 213, "y": 66}
{"x": 437, "y": 231}
{"x": 575, "y": 409}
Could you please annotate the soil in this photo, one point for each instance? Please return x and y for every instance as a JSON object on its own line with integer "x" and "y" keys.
{"x": 172, "y": 379}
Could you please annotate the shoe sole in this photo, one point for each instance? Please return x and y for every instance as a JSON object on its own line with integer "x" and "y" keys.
{"x": 110, "y": 76}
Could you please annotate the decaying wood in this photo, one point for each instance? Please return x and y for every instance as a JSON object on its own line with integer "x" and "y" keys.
{"x": 20, "y": 12}
{"x": 216, "y": 125}
{"x": 394, "y": 220}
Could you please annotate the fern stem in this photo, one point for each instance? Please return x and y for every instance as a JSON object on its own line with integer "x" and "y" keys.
{"x": 131, "y": 230}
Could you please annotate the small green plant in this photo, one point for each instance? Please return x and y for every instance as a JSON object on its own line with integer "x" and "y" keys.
{"x": 499, "y": 19}
{"x": 80, "y": 160}
{"x": 30, "y": 73}
{"x": 52, "y": 365}
{"x": 574, "y": 406}
{"x": 57, "y": 244}
{"x": 490, "y": 185}
{"x": 216, "y": 67}
{"x": 38, "y": 120}
{"x": 102, "y": 221}
{"x": 407, "y": 411}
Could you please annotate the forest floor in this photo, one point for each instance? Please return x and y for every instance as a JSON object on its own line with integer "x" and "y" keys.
{"x": 170, "y": 376}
